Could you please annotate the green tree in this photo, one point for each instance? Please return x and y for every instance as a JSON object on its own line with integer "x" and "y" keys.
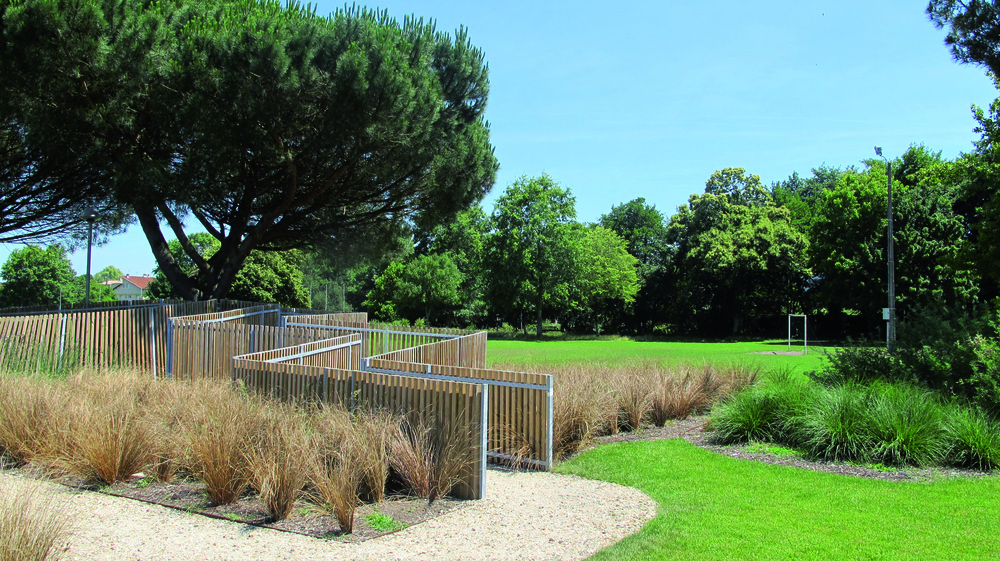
{"x": 266, "y": 277}
{"x": 735, "y": 262}
{"x": 429, "y": 285}
{"x": 463, "y": 240}
{"x": 33, "y": 276}
{"x": 109, "y": 273}
{"x": 850, "y": 244}
{"x": 272, "y": 127}
{"x": 530, "y": 249}
{"x": 381, "y": 299}
{"x": 74, "y": 292}
{"x": 605, "y": 273}
{"x": 644, "y": 230}
{"x": 973, "y": 30}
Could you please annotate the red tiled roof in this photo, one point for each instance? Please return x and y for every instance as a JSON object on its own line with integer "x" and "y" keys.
{"x": 141, "y": 282}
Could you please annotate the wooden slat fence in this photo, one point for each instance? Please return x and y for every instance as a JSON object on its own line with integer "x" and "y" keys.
{"x": 520, "y": 406}
{"x": 132, "y": 336}
{"x": 459, "y": 406}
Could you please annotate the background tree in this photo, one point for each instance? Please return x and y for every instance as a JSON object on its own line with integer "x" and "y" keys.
{"x": 463, "y": 240}
{"x": 267, "y": 277}
{"x": 109, "y": 273}
{"x": 973, "y": 30}
{"x": 272, "y": 127}
{"x": 605, "y": 274}
{"x": 429, "y": 288}
{"x": 36, "y": 276}
{"x": 850, "y": 247}
{"x": 645, "y": 234}
{"x": 530, "y": 250}
{"x": 735, "y": 262}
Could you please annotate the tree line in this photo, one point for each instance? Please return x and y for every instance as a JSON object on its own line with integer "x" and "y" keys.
{"x": 340, "y": 160}
{"x": 736, "y": 258}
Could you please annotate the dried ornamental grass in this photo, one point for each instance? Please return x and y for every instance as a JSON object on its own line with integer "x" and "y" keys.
{"x": 32, "y": 527}
{"x": 110, "y": 438}
{"x": 220, "y": 443}
{"x": 30, "y": 410}
{"x": 278, "y": 462}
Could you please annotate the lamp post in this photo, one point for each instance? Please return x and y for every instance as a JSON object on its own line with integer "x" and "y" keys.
{"x": 90, "y": 215}
{"x": 890, "y": 313}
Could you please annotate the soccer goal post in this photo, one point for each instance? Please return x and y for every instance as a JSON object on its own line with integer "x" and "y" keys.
{"x": 805, "y": 331}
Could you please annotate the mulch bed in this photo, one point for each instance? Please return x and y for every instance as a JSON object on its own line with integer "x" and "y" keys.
{"x": 191, "y": 496}
{"x": 692, "y": 430}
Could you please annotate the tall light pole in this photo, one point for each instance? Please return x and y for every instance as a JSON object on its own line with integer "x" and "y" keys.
{"x": 90, "y": 215}
{"x": 890, "y": 313}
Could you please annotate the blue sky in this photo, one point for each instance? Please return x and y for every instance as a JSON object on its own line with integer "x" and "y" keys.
{"x": 646, "y": 99}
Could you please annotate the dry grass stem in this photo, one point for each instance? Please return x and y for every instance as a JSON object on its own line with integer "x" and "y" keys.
{"x": 32, "y": 527}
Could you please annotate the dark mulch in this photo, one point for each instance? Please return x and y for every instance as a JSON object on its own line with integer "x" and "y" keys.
{"x": 308, "y": 519}
{"x": 693, "y": 430}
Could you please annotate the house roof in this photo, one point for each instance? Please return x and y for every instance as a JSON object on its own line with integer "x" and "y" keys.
{"x": 141, "y": 282}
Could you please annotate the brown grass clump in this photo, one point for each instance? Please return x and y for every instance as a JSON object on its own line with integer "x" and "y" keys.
{"x": 31, "y": 526}
{"x": 337, "y": 467}
{"x": 678, "y": 397}
{"x": 372, "y": 436}
{"x": 597, "y": 399}
{"x": 429, "y": 456}
{"x": 110, "y": 438}
{"x": 634, "y": 389}
{"x": 278, "y": 463}
{"x": 220, "y": 439}
{"x": 30, "y": 412}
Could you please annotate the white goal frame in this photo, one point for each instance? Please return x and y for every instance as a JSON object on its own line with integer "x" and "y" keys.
{"x": 805, "y": 331}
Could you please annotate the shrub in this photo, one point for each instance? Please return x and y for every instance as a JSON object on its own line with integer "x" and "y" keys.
{"x": 906, "y": 425}
{"x": 835, "y": 426}
{"x": 31, "y": 526}
{"x": 974, "y": 439}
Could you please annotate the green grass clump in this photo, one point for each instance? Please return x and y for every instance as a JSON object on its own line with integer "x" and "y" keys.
{"x": 906, "y": 424}
{"x": 383, "y": 522}
{"x": 895, "y": 424}
{"x": 835, "y": 428}
{"x": 975, "y": 440}
{"x": 713, "y": 507}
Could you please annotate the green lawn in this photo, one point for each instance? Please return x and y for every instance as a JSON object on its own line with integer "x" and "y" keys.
{"x": 712, "y": 506}
{"x": 540, "y": 353}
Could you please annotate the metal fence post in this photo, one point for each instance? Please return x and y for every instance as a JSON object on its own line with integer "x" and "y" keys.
{"x": 483, "y": 441}
{"x": 152, "y": 339}
{"x": 62, "y": 339}
{"x": 548, "y": 422}
{"x": 170, "y": 347}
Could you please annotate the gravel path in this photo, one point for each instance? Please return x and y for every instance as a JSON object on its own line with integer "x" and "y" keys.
{"x": 526, "y": 515}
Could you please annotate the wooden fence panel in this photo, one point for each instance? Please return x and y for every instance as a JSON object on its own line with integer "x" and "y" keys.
{"x": 456, "y": 406}
{"x": 519, "y": 425}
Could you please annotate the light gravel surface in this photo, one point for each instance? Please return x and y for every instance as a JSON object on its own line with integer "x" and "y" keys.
{"x": 526, "y": 515}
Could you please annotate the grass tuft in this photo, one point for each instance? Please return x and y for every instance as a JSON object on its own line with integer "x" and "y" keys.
{"x": 31, "y": 526}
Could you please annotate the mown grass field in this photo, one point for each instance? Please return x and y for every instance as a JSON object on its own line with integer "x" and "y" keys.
{"x": 616, "y": 351}
{"x": 713, "y": 507}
